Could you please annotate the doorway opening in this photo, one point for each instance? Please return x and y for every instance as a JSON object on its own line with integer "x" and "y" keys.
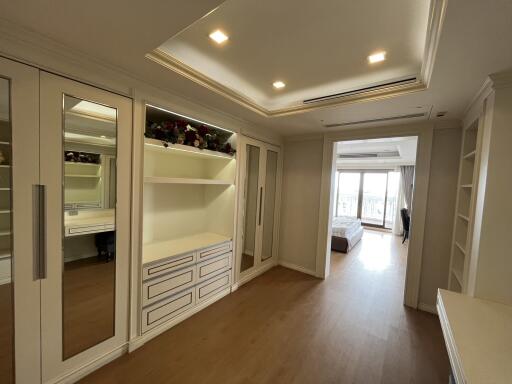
{"x": 371, "y": 211}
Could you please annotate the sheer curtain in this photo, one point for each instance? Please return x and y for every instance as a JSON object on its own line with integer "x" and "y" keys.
{"x": 400, "y": 203}
{"x": 407, "y": 181}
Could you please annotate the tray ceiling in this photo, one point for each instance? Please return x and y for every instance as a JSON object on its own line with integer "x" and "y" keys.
{"x": 315, "y": 48}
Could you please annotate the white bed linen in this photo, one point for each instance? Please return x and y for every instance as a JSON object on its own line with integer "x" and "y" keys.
{"x": 344, "y": 226}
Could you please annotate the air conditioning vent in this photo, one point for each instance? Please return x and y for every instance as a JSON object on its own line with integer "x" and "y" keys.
{"x": 409, "y": 80}
{"x": 390, "y": 118}
{"x": 368, "y": 155}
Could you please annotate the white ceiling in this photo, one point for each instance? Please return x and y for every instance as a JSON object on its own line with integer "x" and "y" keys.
{"x": 317, "y": 48}
{"x": 475, "y": 41}
{"x": 405, "y": 146}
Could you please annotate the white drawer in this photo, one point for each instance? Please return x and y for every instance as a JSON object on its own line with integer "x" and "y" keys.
{"x": 166, "y": 285}
{"x": 213, "y": 286}
{"x": 169, "y": 265}
{"x": 216, "y": 250}
{"x": 214, "y": 266}
{"x": 165, "y": 310}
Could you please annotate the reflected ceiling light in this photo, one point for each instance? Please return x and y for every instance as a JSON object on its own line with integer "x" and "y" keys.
{"x": 279, "y": 84}
{"x": 95, "y": 110}
{"x": 218, "y": 36}
{"x": 377, "y": 57}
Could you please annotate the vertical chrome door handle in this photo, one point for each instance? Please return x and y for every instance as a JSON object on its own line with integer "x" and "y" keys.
{"x": 261, "y": 201}
{"x": 39, "y": 231}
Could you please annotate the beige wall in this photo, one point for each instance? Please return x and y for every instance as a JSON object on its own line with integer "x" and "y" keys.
{"x": 442, "y": 191}
{"x": 300, "y": 197}
{"x": 301, "y": 201}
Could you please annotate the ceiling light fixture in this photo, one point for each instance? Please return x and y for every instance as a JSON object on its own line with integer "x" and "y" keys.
{"x": 218, "y": 36}
{"x": 279, "y": 84}
{"x": 377, "y": 57}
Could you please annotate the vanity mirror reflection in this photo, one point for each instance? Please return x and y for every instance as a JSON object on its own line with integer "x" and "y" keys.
{"x": 89, "y": 237}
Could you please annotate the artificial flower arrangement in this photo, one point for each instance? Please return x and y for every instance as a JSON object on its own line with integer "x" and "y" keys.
{"x": 183, "y": 132}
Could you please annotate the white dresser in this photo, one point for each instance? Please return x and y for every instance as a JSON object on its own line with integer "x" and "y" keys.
{"x": 182, "y": 273}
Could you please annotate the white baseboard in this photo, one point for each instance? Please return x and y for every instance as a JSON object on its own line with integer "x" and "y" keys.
{"x": 141, "y": 340}
{"x": 84, "y": 370}
{"x": 298, "y": 268}
{"x": 427, "y": 308}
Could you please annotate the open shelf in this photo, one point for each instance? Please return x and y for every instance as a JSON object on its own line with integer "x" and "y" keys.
{"x": 5, "y": 233}
{"x": 184, "y": 180}
{"x": 466, "y": 186}
{"x": 156, "y": 145}
{"x": 463, "y": 217}
{"x": 162, "y": 249}
{"x": 5, "y": 166}
{"x": 470, "y": 155}
{"x": 84, "y": 176}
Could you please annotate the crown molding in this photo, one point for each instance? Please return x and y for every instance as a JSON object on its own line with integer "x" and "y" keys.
{"x": 435, "y": 22}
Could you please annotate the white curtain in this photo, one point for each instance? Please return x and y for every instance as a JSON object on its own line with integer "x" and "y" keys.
{"x": 407, "y": 181}
{"x": 400, "y": 203}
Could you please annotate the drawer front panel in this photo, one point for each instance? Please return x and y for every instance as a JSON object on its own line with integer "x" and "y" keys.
{"x": 216, "y": 250}
{"x": 213, "y": 286}
{"x": 214, "y": 266}
{"x": 165, "y": 310}
{"x": 157, "y": 289}
{"x": 168, "y": 266}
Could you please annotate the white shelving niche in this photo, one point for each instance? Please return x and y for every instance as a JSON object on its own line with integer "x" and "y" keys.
{"x": 188, "y": 224}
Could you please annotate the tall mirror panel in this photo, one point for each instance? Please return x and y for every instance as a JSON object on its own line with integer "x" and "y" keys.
{"x": 6, "y": 259}
{"x": 269, "y": 205}
{"x": 89, "y": 233}
{"x": 251, "y": 207}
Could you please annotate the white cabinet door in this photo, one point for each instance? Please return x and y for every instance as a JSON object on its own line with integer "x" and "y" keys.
{"x": 85, "y": 293}
{"x": 19, "y": 173}
{"x": 259, "y": 204}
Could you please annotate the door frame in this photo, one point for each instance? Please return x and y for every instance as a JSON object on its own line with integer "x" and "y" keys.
{"x": 54, "y": 369}
{"x": 259, "y": 265}
{"x": 424, "y": 132}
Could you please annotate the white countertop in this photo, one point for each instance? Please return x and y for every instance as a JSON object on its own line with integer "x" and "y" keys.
{"x": 100, "y": 220}
{"x": 155, "y": 251}
{"x": 478, "y": 335}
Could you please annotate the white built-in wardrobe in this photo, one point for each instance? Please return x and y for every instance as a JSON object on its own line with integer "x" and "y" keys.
{"x": 113, "y": 230}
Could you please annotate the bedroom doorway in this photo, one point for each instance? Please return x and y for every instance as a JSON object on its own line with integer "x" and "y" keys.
{"x": 371, "y": 210}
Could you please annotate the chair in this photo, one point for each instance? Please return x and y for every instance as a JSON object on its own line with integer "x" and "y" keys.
{"x": 106, "y": 245}
{"x": 404, "y": 214}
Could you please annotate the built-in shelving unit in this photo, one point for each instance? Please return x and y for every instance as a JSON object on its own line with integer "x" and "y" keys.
{"x": 188, "y": 215}
{"x": 464, "y": 216}
{"x": 83, "y": 184}
{"x": 5, "y": 201}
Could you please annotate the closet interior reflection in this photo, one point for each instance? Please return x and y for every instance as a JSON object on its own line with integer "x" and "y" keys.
{"x": 89, "y": 237}
{"x": 6, "y": 283}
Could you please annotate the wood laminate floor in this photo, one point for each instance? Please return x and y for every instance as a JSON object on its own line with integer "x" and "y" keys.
{"x": 287, "y": 327}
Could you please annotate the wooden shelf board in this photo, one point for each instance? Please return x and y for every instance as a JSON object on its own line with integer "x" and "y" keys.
{"x": 83, "y": 176}
{"x": 5, "y": 211}
{"x": 461, "y": 248}
{"x": 157, "y": 145}
{"x": 5, "y": 143}
{"x": 5, "y": 254}
{"x": 463, "y": 217}
{"x": 470, "y": 155}
{"x": 468, "y": 186}
{"x": 5, "y": 166}
{"x": 5, "y": 233}
{"x": 184, "y": 180}
{"x": 155, "y": 251}
{"x": 5, "y": 189}
{"x": 84, "y": 164}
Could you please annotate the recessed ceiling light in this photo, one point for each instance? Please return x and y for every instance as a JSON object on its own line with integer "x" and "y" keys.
{"x": 279, "y": 84}
{"x": 377, "y": 57}
{"x": 218, "y": 36}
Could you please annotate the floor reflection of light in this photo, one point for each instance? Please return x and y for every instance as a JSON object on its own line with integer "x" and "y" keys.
{"x": 375, "y": 254}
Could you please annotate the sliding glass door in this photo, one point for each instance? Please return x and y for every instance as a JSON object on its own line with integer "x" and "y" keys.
{"x": 370, "y": 195}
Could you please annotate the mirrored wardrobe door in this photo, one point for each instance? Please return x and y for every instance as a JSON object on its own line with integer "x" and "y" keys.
{"x": 268, "y": 247}
{"x": 86, "y": 170}
{"x": 19, "y": 243}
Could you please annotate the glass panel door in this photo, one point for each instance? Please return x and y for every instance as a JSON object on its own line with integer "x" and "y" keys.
{"x": 348, "y": 194}
{"x": 251, "y": 201}
{"x": 269, "y": 205}
{"x": 374, "y": 198}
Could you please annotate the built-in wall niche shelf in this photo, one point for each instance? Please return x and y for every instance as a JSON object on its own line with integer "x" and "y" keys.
{"x": 184, "y": 150}
{"x": 5, "y": 189}
{"x": 458, "y": 276}
{"x": 466, "y": 186}
{"x": 461, "y": 248}
{"x": 5, "y": 143}
{"x": 73, "y": 163}
{"x": 5, "y": 254}
{"x": 5, "y": 166}
{"x": 83, "y": 176}
{"x": 177, "y": 129}
{"x": 168, "y": 248}
{"x": 184, "y": 180}
{"x": 5, "y": 233}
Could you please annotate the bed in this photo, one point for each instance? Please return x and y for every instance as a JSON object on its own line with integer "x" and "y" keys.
{"x": 346, "y": 232}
